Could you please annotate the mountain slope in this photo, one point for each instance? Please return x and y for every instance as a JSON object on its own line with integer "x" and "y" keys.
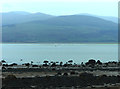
{"x": 22, "y": 17}
{"x": 109, "y": 18}
{"x": 63, "y": 29}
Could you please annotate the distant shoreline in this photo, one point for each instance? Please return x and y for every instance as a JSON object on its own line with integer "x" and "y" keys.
{"x": 53, "y": 43}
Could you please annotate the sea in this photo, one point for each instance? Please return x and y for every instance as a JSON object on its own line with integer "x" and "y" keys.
{"x": 24, "y": 53}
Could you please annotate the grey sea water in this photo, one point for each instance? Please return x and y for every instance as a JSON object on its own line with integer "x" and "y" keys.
{"x": 13, "y": 53}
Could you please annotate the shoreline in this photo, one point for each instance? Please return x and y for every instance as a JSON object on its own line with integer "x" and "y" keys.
{"x": 56, "y": 43}
{"x": 88, "y": 76}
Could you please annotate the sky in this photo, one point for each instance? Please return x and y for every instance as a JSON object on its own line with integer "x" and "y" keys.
{"x": 62, "y": 7}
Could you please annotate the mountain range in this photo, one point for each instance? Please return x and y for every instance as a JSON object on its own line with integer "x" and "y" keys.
{"x": 25, "y": 27}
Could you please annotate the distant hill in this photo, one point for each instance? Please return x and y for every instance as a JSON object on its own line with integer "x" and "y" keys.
{"x": 21, "y": 17}
{"x": 109, "y": 18}
{"x": 62, "y": 29}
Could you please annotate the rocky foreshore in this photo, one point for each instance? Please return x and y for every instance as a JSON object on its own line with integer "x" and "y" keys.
{"x": 90, "y": 75}
{"x": 59, "y": 81}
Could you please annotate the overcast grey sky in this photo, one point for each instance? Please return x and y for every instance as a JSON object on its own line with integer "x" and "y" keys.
{"x": 63, "y": 7}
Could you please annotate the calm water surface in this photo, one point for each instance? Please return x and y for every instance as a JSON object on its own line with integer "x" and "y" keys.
{"x": 59, "y": 52}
